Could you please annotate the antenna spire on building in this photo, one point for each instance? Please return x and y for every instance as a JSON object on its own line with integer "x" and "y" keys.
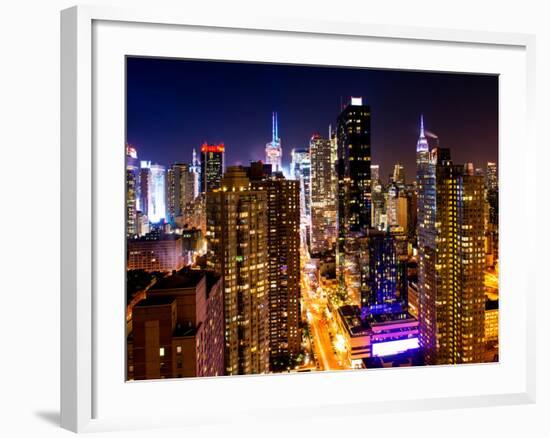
{"x": 274, "y": 127}
{"x": 422, "y": 144}
{"x": 273, "y": 150}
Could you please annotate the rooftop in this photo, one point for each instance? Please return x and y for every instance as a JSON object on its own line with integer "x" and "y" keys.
{"x": 155, "y": 237}
{"x": 155, "y": 301}
{"x": 183, "y": 279}
{"x": 351, "y": 315}
{"x": 186, "y": 278}
{"x": 388, "y": 318}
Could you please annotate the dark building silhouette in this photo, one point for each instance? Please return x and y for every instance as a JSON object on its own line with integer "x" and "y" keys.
{"x": 177, "y": 331}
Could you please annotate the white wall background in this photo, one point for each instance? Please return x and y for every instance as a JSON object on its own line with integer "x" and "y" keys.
{"x": 29, "y": 214}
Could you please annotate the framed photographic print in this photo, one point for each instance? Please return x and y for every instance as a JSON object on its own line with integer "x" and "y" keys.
{"x": 262, "y": 208}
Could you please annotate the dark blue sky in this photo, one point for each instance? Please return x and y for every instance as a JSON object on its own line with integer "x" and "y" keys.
{"x": 175, "y": 105}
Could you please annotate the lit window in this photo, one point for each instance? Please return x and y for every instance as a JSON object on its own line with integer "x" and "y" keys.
{"x": 161, "y": 351}
{"x": 178, "y": 349}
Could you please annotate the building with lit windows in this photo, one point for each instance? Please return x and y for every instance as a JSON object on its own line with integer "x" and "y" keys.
{"x": 142, "y": 224}
{"x": 397, "y": 207}
{"x": 237, "y": 220}
{"x": 398, "y": 176}
{"x": 300, "y": 170}
{"x": 195, "y": 169}
{"x": 375, "y": 173}
{"x": 143, "y": 184}
{"x": 155, "y": 252}
{"x": 212, "y": 166}
{"x": 283, "y": 270}
{"x": 378, "y": 338}
{"x": 412, "y": 212}
{"x": 451, "y": 258}
{"x": 132, "y": 191}
{"x": 177, "y": 330}
{"x": 491, "y": 321}
{"x": 378, "y": 211}
{"x": 383, "y": 261}
{"x": 180, "y": 190}
{"x": 354, "y": 183}
{"x": 153, "y": 191}
{"x": 492, "y": 197}
{"x": 323, "y": 202}
{"x": 412, "y": 299}
{"x": 492, "y": 176}
{"x": 273, "y": 149}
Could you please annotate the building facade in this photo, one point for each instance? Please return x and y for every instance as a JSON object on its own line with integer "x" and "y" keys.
{"x": 283, "y": 279}
{"x": 300, "y": 170}
{"x": 195, "y": 169}
{"x": 397, "y": 207}
{"x": 236, "y": 220}
{"x": 380, "y": 337}
{"x": 155, "y": 253}
{"x": 177, "y": 331}
{"x": 180, "y": 191}
{"x": 354, "y": 185}
{"x": 451, "y": 258}
{"x": 132, "y": 191}
{"x": 212, "y": 166}
{"x": 155, "y": 192}
{"x": 323, "y": 200}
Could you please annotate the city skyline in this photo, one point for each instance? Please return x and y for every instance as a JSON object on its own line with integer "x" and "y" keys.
{"x": 167, "y": 117}
{"x": 331, "y": 261}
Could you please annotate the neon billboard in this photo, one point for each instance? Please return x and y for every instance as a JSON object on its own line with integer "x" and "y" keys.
{"x": 389, "y": 348}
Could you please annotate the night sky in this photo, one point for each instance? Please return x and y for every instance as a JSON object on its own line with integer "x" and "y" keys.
{"x": 174, "y": 106}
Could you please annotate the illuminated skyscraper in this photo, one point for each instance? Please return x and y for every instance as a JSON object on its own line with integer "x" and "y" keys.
{"x": 492, "y": 176}
{"x": 354, "y": 181}
{"x": 195, "y": 169}
{"x": 397, "y": 214}
{"x": 375, "y": 173}
{"x": 181, "y": 189}
{"x": 332, "y": 135}
{"x": 491, "y": 185}
{"x": 354, "y": 161}
{"x": 378, "y": 212}
{"x": 398, "y": 176}
{"x": 300, "y": 170}
{"x": 323, "y": 206}
{"x": 212, "y": 166}
{"x": 153, "y": 190}
{"x": 451, "y": 258}
{"x": 283, "y": 279}
{"x": 132, "y": 189}
{"x": 492, "y": 193}
{"x": 144, "y": 178}
{"x": 273, "y": 149}
{"x": 236, "y": 218}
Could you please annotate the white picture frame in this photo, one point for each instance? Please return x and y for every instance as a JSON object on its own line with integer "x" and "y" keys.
{"x": 88, "y": 394}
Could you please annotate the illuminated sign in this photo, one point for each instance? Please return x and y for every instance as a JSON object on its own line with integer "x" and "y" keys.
{"x": 212, "y": 147}
{"x": 357, "y": 101}
{"x": 389, "y": 348}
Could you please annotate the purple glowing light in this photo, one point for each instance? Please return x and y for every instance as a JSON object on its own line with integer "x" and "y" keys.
{"x": 389, "y": 348}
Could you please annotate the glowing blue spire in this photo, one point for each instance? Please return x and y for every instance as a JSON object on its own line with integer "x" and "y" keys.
{"x": 274, "y": 128}
{"x": 273, "y": 149}
{"x": 422, "y": 125}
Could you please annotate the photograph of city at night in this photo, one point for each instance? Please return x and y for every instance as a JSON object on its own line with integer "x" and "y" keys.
{"x": 292, "y": 218}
